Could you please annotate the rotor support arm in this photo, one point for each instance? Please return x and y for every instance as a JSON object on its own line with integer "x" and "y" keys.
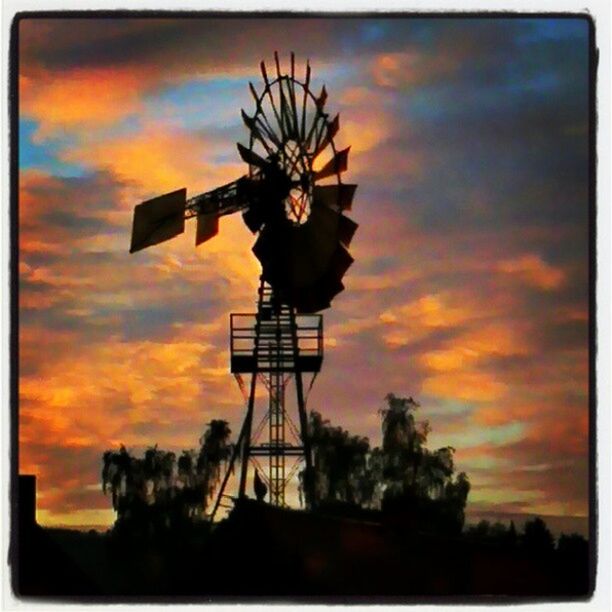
{"x": 224, "y": 200}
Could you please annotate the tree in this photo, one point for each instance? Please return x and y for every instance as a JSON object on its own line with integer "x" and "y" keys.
{"x": 118, "y": 475}
{"x": 215, "y": 452}
{"x": 572, "y": 545}
{"x": 512, "y": 537}
{"x": 537, "y": 537}
{"x": 573, "y": 563}
{"x": 415, "y": 479}
{"x": 340, "y": 463}
{"x": 401, "y": 444}
{"x": 157, "y": 489}
{"x": 400, "y": 473}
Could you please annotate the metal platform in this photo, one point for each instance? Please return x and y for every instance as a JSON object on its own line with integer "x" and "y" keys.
{"x": 275, "y": 352}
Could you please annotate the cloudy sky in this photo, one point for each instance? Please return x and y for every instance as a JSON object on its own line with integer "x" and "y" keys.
{"x": 470, "y": 286}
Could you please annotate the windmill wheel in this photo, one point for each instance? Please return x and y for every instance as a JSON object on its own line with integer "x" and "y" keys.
{"x": 293, "y": 196}
{"x": 297, "y": 211}
{"x": 291, "y": 129}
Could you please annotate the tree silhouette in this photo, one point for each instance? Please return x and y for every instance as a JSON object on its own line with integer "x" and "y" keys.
{"x": 401, "y": 444}
{"x": 413, "y": 472}
{"x": 157, "y": 490}
{"x": 340, "y": 463}
{"x": 215, "y": 451}
{"x": 537, "y": 537}
{"x": 400, "y": 473}
{"x": 118, "y": 475}
{"x": 512, "y": 538}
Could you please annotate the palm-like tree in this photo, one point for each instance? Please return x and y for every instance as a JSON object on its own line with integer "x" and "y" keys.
{"x": 215, "y": 452}
{"x": 118, "y": 475}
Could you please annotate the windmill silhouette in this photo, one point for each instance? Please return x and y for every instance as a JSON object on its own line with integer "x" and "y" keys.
{"x": 295, "y": 205}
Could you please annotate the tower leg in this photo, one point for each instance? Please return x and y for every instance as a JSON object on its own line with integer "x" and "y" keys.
{"x": 246, "y": 441}
{"x": 299, "y": 387}
{"x": 230, "y": 469}
{"x": 309, "y": 474}
{"x": 277, "y": 439}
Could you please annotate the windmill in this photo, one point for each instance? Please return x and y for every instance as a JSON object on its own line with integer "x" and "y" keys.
{"x": 293, "y": 200}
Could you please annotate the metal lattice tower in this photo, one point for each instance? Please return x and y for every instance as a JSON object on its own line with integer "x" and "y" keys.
{"x": 276, "y": 421}
{"x": 277, "y": 347}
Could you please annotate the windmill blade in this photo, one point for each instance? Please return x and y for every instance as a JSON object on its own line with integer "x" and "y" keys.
{"x": 341, "y": 262}
{"x": 328, "y": 290}
{"x": 158, "y": 220}
{"x": 254, "y": 93}
{"x": 336, "y": 197}
{"x": 346, "y": 230}
{"x": 320, "y": 101}
{"x": 250, "y": 157}
{"x": 293, "y": 112}
{"x": 330, "y": 283}
{"x": 303, "y": 256}
{"x": 207, "y": 228}
{"x": 332, "y": 130}
{"x": 276, "y": 61}
{"x": 313, "y": 245}
{"x": 285, "y": 111}
{"x": 307, "y": 302}
{"x": 249, "y": 122}
{"x": 264, "y": 73}
{"x": 305, "y": 98}
{"x": 252, "y": 126}
{"x": 306, "y": 263}
{"x": 268, "y": 91}
{"x": 319, "y": 295}
{"x": 337, "y": 164}
{"x": 323, "y": 223}
{"x": 264, "y": 123}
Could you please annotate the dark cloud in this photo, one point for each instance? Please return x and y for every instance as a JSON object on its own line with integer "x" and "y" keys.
{"x": 208, "y": 44}
{"x": 56, "y": 211}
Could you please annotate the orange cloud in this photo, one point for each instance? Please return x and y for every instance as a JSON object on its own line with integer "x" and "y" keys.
{"x": 492, "y": 339}
{"x": 532, "y": 270}
{"x": 405, "y": 68}
{"x": 55, "y": 213}
{"x": 490, "y": 416}
{"x": 435, "y": 311}
{"x": 465, "y": 385}
{"x": 370, "y": 150}
{"x": 82, "y": 98}
{"x": 450, "y": 359}
{"x": 417, "y": 319}
{"x": 159, "y": 160}
{"x": 137, "y": 393}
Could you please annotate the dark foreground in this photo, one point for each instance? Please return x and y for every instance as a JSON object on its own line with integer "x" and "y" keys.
{"x": 265, "y": 551}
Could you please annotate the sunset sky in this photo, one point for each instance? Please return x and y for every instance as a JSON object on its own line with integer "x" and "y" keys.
{"x": 469, "y": 142}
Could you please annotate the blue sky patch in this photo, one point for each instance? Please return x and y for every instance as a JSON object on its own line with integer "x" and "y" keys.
{"x": 44, "y": 155}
